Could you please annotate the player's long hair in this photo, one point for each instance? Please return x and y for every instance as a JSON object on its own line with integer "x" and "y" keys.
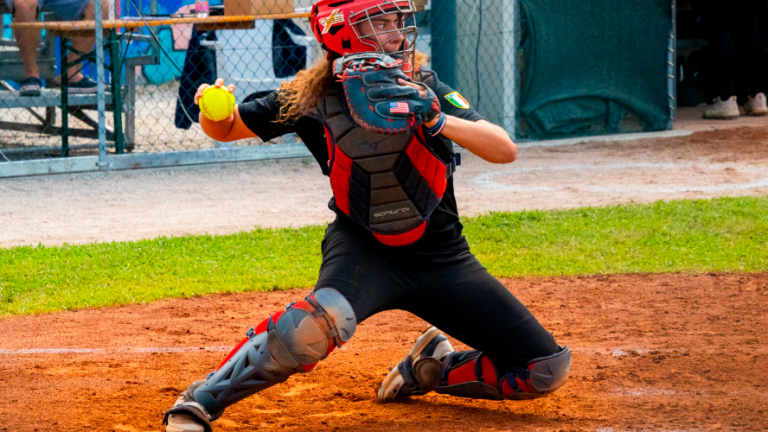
{"x": 298, "y": 96}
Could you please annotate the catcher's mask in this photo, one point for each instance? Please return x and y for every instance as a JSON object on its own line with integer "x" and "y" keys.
{"x": 336, "y": 25}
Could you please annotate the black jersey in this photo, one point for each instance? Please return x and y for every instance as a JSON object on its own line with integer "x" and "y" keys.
{"x": 260, "y": 114}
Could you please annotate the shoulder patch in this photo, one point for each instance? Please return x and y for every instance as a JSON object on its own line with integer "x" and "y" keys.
{"x": 457, "y": 100}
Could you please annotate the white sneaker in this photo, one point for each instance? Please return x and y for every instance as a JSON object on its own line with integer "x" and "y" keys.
{"x": 756, "y": 106}
{"x": 419, "y": 372}
{"x": 723, "y": 110}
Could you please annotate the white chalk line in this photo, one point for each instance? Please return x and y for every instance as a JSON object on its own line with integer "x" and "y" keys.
{"x": 110, "y": 350}
{"x": 610, "y": 429}
{"x": 614, "y": 352}
{"x": 487, "y": 179}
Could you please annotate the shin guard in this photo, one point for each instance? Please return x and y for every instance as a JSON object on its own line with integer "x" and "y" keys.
{"x": 288, "y": 342}
{"x": 474, "y": 375}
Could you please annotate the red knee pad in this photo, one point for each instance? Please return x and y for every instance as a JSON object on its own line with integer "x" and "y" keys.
{"x": 473, "y": 374}
{"x": 475, "y": 367}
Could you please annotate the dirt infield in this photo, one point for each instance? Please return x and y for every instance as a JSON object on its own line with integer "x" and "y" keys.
{"x": 651, "y": 353}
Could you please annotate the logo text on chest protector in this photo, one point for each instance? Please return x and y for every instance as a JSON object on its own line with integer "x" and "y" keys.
{"x": 392, "y": 212}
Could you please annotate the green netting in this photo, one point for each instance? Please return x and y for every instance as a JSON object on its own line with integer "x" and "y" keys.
{"x": 597, "y": 66}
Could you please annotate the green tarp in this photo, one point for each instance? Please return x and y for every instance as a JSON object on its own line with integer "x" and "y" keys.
{"x": 587, "y": 64}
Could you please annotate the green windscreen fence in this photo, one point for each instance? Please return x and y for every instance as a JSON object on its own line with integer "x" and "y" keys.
{"x": 595, "y": 66}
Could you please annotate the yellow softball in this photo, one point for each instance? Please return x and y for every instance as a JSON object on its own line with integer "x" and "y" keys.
{"x": 217, "y": 103}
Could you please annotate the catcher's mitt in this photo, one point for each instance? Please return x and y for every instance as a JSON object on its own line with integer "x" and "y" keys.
{"x": 375, "y": 99}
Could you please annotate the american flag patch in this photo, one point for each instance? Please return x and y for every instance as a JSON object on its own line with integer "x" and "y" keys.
{"x": 399, "y": 108}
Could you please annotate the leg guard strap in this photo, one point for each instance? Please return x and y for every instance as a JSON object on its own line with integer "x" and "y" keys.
{"x": 470, "y": 374}
{"x": 288, "y": 342}
{"x": 474, "y": 375}
{"x": 331, "y": 307}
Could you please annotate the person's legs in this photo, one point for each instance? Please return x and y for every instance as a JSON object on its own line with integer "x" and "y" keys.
{"x": 288, "y": 342}
{"x": 27, "y": 40}
{"x": 762, "y": 21}
{"x": 720, "y": 24}
{"x": 84, "y": 44}
{"x": 367, "y": 273}
{"x": 750, "y": 50}
{"x": 719, "y": 15}
{"x": 73, "y": 10}
{"x": 355, "y": 282}
{"x": 466, "y": 302}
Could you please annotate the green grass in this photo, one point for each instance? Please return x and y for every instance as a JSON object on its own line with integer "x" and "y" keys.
{"x": 724, "y": 235}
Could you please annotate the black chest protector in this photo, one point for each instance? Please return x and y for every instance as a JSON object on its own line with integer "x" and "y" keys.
{"x": 389, "y": 184}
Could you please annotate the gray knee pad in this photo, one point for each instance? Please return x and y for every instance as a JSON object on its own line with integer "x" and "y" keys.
{"x": 288, "y": 342}
{"x": 542, "y": 376}
{"x": 339, "y": 311}
{"x": 550, "y": 373}
{"x": 300, "y": 337}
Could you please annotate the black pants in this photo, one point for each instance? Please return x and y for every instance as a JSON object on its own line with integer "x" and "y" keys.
{"x": 447, "y": 287}
{"x": 738, "y": 46}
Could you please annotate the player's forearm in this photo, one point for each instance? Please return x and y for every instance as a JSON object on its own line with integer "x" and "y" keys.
{"x": 483, "y": 139}
{"x": 217, "y": 130}
{"x": 231, "y": 129}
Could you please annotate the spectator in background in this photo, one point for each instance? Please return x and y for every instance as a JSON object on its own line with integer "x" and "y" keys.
{"x": 735, "y": 34}
{"x": 28, "y": 40}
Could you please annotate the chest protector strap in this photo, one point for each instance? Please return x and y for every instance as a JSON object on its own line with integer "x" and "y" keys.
{"x": 390, "y": 184}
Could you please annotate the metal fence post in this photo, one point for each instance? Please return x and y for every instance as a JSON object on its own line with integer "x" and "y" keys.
{"x": 117, "y": 85}
{"x": 672, "y": 67}
{"x": 511, "y": 73}
{"x": 103, "y": 164}
{"x": 65, "y": 43}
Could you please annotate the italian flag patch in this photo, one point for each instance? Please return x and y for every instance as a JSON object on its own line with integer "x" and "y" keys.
{"x": 457, "y": 100}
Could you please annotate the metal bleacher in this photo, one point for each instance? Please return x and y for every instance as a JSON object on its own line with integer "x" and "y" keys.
{"x": 11, "y": 69}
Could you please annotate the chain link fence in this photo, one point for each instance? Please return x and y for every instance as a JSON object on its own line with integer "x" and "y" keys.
{"x": 156, "y": 53}
{"x": 166, "y": 50}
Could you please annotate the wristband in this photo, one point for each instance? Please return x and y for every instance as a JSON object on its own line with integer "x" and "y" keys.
{"x": 438, "y": 128}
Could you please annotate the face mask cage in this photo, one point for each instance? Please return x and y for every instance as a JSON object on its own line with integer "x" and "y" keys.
{"x": 407, "y": 29}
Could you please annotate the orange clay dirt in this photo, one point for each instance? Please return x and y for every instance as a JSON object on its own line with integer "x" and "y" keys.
{"x": 651, "y": 353}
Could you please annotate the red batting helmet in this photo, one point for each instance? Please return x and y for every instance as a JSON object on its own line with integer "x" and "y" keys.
{"x": 335, "y": 25}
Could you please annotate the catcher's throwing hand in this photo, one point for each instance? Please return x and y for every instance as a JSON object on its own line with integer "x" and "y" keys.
{"x": 219, "y": 83}
{"x": 423, "y": 93}
{"x": 380, "y": 96}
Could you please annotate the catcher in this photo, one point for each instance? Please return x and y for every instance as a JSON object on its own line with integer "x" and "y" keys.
{"x": 381, "y": 128}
